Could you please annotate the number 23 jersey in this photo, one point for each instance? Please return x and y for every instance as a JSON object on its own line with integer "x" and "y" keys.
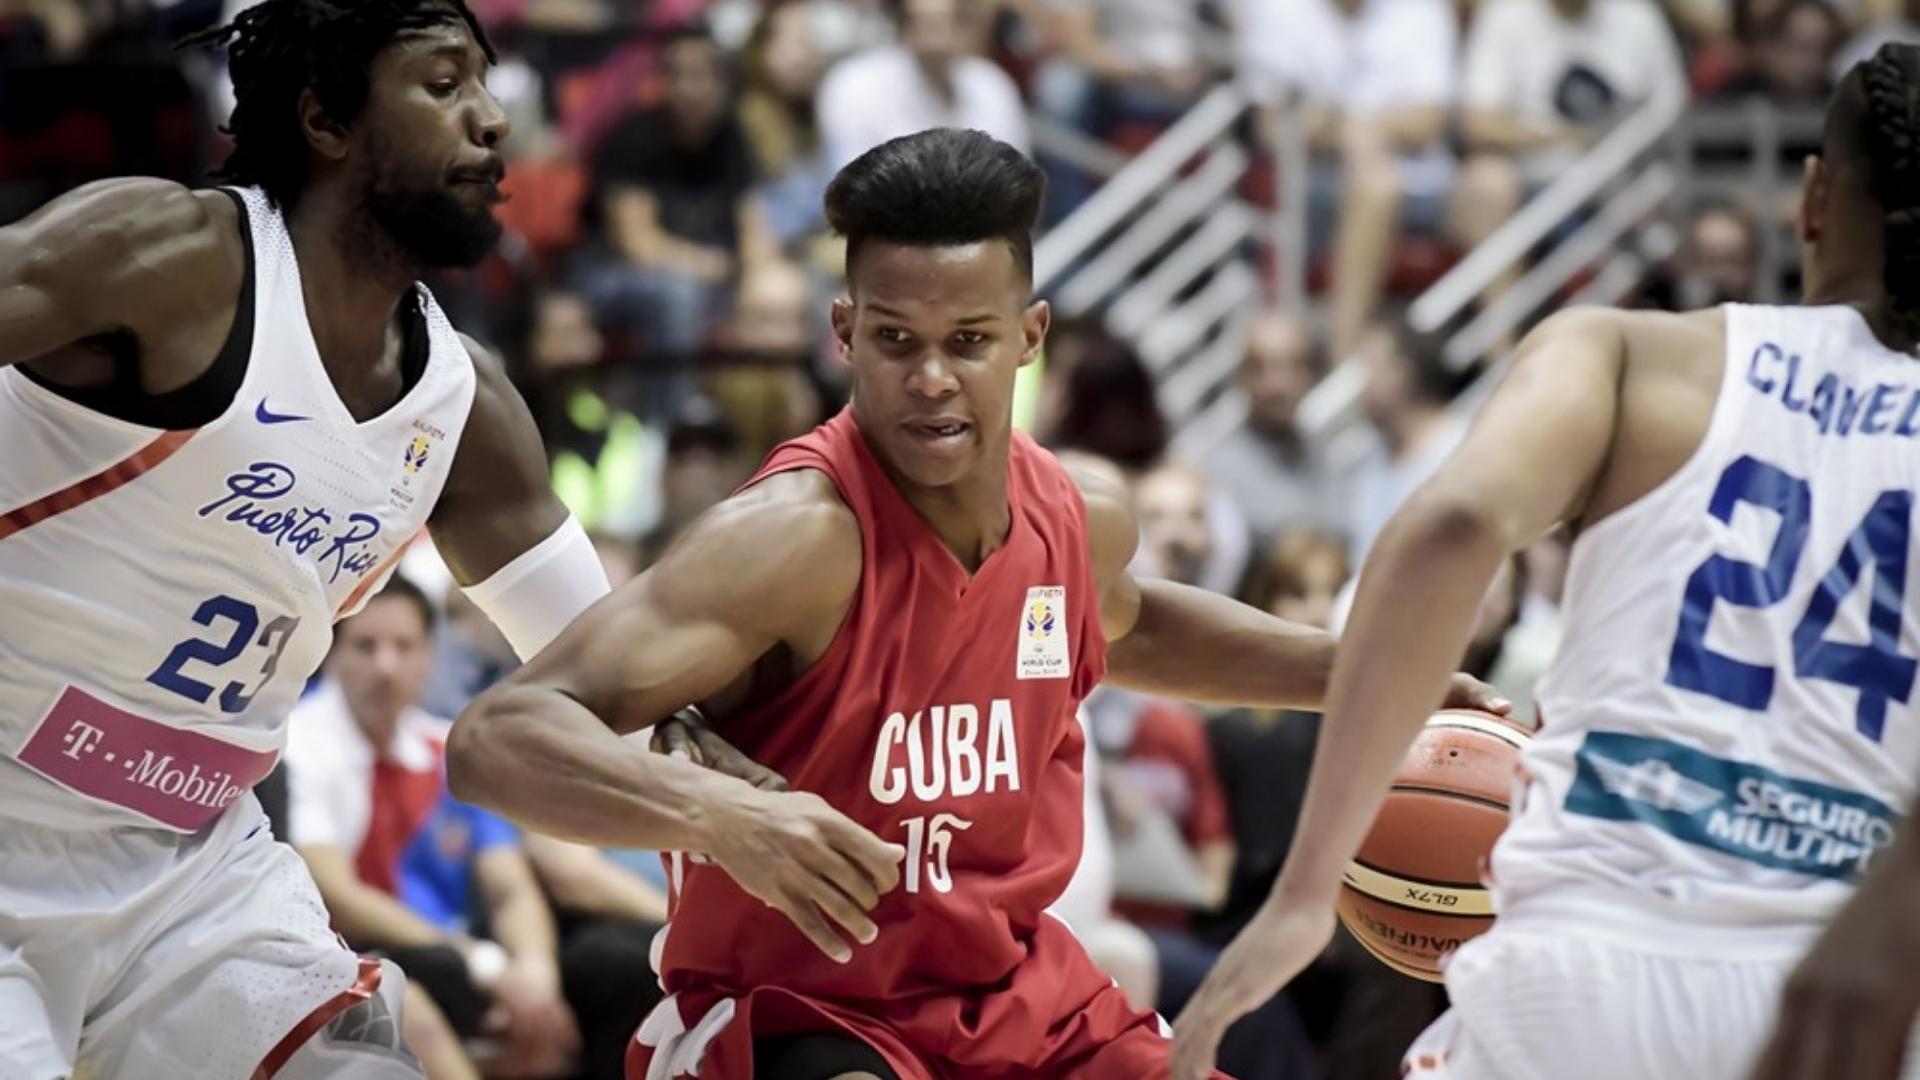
{"x": 941, "y": 718}
{"x": 164, "y": 595}
{"x": 1728, "y": 733}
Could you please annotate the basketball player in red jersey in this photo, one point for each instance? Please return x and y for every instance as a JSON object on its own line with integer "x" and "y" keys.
{"x": 223, "y": 416}
{"x": 900, "y": 613}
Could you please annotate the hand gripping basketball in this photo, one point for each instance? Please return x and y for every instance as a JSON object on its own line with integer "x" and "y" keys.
{"x": 795, "y": 853}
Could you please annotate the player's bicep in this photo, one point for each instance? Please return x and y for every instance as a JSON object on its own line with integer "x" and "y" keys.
{"x": 1537, "y": 446}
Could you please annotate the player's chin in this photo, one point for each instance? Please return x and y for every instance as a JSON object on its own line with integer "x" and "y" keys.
{"x": 938, "y": 468}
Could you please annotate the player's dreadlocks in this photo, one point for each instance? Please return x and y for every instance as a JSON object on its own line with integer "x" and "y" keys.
{"x": 279, "y": 48}
{"x": 1891, "y": 81}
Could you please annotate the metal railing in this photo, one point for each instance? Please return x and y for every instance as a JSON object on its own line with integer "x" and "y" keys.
{"x": 1164, "y": 251}
{"x": 1161, "y": 251}
{"x": 1621, "y": 182}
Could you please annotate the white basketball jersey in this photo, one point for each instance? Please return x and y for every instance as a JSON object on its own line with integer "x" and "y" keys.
{"x": 1729, "y": 731}
{"x": 166, "y": 594}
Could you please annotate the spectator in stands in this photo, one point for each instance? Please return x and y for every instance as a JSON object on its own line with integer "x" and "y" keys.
{"x": 1117, "y": 62}
{"x": 1263, "y": 755}
{"x": 704, "y": 464}
{"x": 766, "y": 389}
{"x": 1102, "y": 400}
{"x": 1174, "y": 849}
{"x": 678, "y": 217}
{"x": 1406, "y": 395}
{"x": 1265, "y": 466}
{"x": 470, "y": 654}
{"x": 1187, "y": 533}
{"x": 781, "y": 70}
{"x": 44, "y": 31}
{"x": 602, "y": 456}
{"x": 405, "y": 869}
{"x": 1374, "y": 81}
{"x": 1790, "y": 61}
{"x": 1901, "y": 24}
{"x": 931, "y": 79}
{"x": 1360, "y": 1013}
{"x": 1720, "y": 263}
{"x": 1542, "y": 79}
{"x": 608, "y": 917}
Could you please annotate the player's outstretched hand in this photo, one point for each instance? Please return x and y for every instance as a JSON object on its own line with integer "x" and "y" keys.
{"x": 816, "y": 865}
{"x": 1467, "y": 692}
{"x": 1270, "y": 950}
{"x": 1848, "y": 1008}
{"x": 686, "y": 734}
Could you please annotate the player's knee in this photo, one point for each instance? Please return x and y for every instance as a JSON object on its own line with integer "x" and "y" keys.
{"x": 366, "y": 1042}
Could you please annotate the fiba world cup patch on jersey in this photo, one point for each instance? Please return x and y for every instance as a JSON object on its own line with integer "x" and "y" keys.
{"x": 417, "y": 454}
{"x": 1043, "y": 634}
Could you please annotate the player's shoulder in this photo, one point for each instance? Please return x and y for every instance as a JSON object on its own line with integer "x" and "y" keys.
{"x": 803, "y": 507}
{"x": 1112, "y": 529}
{"x": 791, "y": 530}
{"x": 142, "y": 222}
{"x": 489, "y": 369}
{"x": 1629, "y": 331}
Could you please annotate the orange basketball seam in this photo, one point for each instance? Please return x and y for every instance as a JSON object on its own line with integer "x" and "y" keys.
{"x": 1378, "y": 869}
{"x": 1422, "y": 789}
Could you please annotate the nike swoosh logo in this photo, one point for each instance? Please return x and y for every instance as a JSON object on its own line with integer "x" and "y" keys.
{"x": 265, "y": 416}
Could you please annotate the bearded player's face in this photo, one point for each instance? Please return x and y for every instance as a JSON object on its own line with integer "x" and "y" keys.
{"x": 936, "y": 336}
{"x": 428, "y": 142}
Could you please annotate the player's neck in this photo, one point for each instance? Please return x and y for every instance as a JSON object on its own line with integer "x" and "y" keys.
{"x": 972, "y": 518}
{"x": 1865, "y": 292}
{"x": 351, "y": 276}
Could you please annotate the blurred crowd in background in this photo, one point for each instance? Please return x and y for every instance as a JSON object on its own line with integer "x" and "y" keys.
{"x": 661, "y": 298}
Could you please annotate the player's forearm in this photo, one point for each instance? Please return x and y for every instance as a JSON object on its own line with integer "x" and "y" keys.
{"x": 1200, "y": 646}
{"x": 370, "y": 919}
{"x": 541, "y": 759}
{"x": 1419, "y": 594}
{"x": 524, "y": 927}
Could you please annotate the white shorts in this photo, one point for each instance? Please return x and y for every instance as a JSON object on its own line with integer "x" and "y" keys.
{"x": 145, "y": 953}
{"x": 1530, "y": 1004}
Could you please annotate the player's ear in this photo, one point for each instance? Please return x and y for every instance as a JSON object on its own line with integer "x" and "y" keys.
{"x": 1815, "y": 182}
{"x": 1033, "y": 330}
{"x": 842, "y": 318}
{"x": 323, "y": 132}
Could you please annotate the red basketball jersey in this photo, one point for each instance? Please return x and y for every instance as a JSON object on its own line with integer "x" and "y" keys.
{"x": 941, "y": 718}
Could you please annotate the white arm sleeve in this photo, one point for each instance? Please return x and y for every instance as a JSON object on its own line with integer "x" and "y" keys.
{"x": 534, "y": 597}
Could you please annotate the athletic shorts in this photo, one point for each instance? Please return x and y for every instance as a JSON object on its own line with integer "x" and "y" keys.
{"x": 1031, "y": 1027}
{"x": 1531, "y": 1003}
{"x": 144, "y": 953}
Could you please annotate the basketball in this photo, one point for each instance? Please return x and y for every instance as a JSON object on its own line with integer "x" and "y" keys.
{"x": 1413, "y": 894}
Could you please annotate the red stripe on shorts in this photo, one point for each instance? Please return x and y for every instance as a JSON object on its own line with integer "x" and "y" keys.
{"x": 124, "y": 471}
{"x": 362, "y": 989}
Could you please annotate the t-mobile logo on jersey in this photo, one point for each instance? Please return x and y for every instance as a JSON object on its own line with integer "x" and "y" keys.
{"x": 944, "y": 758}
{"x": 175, "y": 776}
